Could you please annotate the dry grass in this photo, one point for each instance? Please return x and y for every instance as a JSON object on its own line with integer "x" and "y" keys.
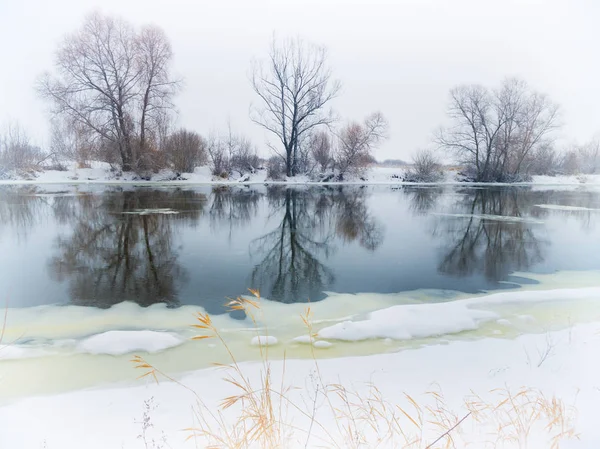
{"x": 335, "y": 415}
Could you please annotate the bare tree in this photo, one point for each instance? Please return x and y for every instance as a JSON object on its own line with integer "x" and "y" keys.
{"x": 320, "y": 149}
{"x": 186, "y": 150}
{"x": 494, "y": 132}
{"x": 356, "y": 142}
{"x": 294, "y": 87}
{"x": 17, "y": 151}
{"x": 114, "y": 81}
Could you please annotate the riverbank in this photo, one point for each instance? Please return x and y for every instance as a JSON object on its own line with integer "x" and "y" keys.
{"x": 101, "y": 173}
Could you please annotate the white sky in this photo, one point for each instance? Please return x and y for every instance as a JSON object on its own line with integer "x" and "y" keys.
{"x": 400, "y": 57}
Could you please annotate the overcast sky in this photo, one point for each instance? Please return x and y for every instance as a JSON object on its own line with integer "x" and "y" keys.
{"x": 397, "y": 56}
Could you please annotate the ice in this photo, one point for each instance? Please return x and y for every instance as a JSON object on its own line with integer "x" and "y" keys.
{"x": 565, "y": 208}
{"x": 125, "y": 342}
{"x": 489, "y": 217}
{"x": 410, "y": 321}
{"x": 264, "y": 340}
{"x": 405, "y": 322}
{"x": 152, "y": 212}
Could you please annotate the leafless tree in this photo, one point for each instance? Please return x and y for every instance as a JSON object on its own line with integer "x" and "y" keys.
{"x": 320, "y": 149}
{"x": 356, "y": 142}
{"x": 114, "y": 81}
{"x": 494, "y": 132}
{"x": 72, "y": 141}
{"x": 186, "y": 150}
{"x": 426, "y": 167}
{"x": 17, "y": 151}
{"x": 294, "y": 86}
{"x": 589, "y": 157}
{"x": 218, "y": 156}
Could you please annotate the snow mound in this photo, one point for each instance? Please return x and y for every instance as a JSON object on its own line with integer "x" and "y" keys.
{"x": 124, "y": 342}
{"x": 322, "y": 344}
{"x": 405, "y": 322}
{"x": 304, "y": 339}
{"x": 264, "y": 340}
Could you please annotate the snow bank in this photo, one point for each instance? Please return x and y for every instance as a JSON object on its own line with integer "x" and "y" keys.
{"x": 102, "y": 173}
{"x": 410, "y": 321}
{"x": 125, "y": 342}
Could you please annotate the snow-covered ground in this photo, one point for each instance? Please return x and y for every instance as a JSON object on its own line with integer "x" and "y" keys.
{"x": 544, "y": 336}
{"x": 102, "y": 173}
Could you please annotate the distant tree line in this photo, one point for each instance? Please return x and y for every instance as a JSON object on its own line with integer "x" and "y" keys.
{"x": 111, "y": 97}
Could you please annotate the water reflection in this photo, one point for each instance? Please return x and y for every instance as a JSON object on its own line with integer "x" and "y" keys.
{"x": 482, "y": 242}
{"x": 102, "y": 245}
{"x": 121, "y": 246}
{"x": 292, "y": 266}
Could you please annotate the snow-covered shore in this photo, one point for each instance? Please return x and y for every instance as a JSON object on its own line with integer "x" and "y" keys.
{"x": 113, "y": 417}
{"x": 101, "y": 173}
{"x": 544, "y": 336}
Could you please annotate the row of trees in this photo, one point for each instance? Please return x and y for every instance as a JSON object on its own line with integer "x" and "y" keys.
{"x": 112, "y": 99}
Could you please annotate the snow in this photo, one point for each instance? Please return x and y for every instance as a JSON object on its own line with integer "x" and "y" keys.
{"x": 410, "y": 321}
{"x": 322, "y": 344}
{"x": 304, "y": 339}
{"x": 125, "y": 342}
{"x": 112, "y": 416}
{"x": 264, "y": 340}
{"x": 102, "y": 173}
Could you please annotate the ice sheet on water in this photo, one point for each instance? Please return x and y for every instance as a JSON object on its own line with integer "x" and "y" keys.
{"x": 566, "y": 208}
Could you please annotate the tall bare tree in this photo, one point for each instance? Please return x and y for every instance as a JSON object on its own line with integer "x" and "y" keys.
{"x": 294, "y": 86}
{"x": 496, "y": 132}
{"x": 114, "y": 81}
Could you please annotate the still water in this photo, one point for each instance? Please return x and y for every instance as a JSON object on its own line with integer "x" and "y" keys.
{"x": 98, "y": 246}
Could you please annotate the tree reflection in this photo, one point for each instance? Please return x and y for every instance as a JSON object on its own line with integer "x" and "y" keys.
{"x": 21, "y": 208}
{"x": 233, "y": 207}
{"x": 291, "y": 267}
{"x": 486, "y": 245}
{"x": 121, "y": 247}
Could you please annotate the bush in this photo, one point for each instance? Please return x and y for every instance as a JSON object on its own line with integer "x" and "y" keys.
{"x": 275, "y": 168}
{"x": 186, "y": 150}
{"x": 426, "y": 167}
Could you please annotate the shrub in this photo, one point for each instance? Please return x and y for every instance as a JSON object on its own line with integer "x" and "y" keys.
{"x": 186, "y": 150}
{"x": 426, "y": 167}
{"x": 275, "y": 168}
